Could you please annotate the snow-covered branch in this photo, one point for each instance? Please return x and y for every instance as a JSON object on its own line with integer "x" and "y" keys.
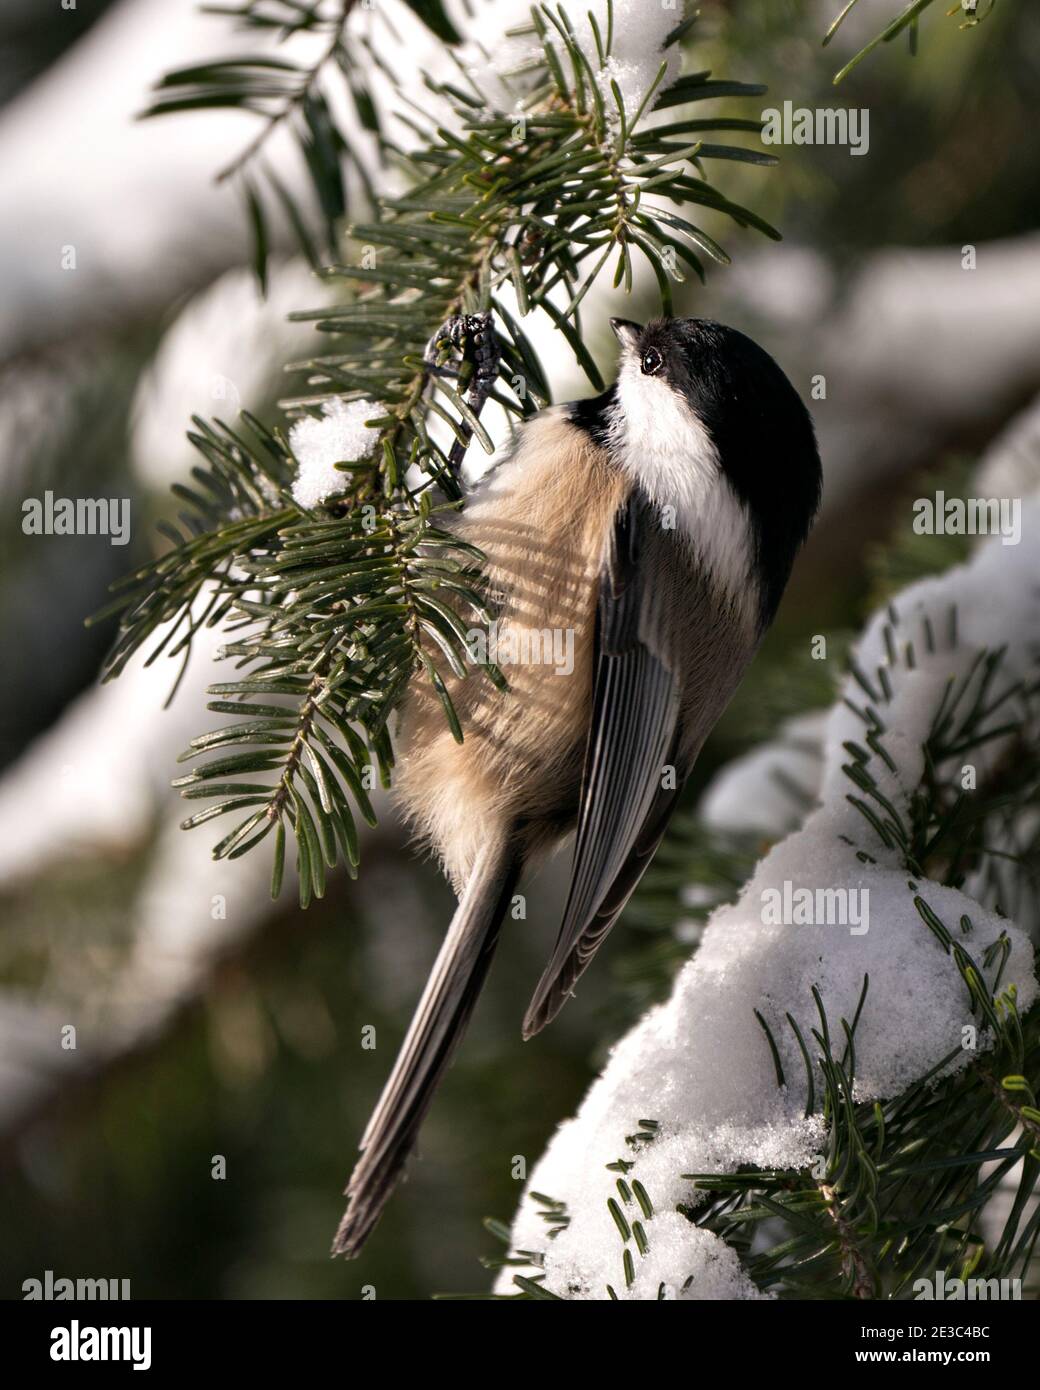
{"x": 850, "y": 924}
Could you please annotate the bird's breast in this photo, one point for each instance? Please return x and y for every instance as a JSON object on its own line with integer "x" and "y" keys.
{"x": 543, "y": 518}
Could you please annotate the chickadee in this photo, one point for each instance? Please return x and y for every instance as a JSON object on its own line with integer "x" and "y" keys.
{"x": 658, "y": 522}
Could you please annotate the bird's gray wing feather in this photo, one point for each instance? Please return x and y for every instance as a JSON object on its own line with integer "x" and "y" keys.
{"x": 636, "y": 732}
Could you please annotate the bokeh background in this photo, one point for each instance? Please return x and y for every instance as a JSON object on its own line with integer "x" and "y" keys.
{"x": 209, "y": 1021}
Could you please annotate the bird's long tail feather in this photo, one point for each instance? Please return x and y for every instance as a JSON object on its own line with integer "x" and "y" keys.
{"x": 447, "y": 1001}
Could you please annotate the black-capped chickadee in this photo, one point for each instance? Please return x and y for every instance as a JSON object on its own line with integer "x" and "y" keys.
{"x": 657, "y": 523}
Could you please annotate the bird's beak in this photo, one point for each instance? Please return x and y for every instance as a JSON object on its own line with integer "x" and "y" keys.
{"x": 626, "y": 332}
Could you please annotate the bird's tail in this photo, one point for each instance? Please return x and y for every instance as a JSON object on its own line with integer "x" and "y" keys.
{"x": 447, "y": 1001}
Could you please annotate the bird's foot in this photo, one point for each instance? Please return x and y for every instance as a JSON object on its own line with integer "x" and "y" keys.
{"x": 473, "y": 338}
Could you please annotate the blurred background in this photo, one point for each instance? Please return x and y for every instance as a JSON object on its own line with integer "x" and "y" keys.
{"x": 210, "y": 1023}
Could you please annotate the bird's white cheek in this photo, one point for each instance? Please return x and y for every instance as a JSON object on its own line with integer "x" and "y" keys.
{"x": 664, "y": 447}
{"x": 662, "y": 441}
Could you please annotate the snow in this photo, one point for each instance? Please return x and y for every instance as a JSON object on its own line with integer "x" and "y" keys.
{"x": 699, "y": 1065}
{"x": 495, "y": 58}
{"x": 712, "y": 1267}
{"x": 340, "y": 435}
{"x": 635, "y": 56}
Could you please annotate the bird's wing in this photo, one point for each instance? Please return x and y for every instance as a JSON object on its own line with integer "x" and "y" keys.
{"x": 635, "y": 735}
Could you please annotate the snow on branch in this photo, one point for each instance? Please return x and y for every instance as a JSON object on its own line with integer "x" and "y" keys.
{"x": 909, "y": 977}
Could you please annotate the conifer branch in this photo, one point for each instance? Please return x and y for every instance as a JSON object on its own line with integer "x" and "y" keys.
{"x": 906, "y": 21}
{"x": 903, "y": 1183}
{"x": 334, "y": 609}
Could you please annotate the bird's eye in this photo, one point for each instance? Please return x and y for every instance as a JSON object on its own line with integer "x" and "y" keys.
{"x": 652, "y": 362}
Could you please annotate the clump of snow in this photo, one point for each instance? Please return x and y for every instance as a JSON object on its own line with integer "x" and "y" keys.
{"x": 699, "y": 1065}
{"x": 684, "y": 1263}
{"x": 636, "y": 50}
{"x": 496, "y": 58}
{"x": 340, "y": 435}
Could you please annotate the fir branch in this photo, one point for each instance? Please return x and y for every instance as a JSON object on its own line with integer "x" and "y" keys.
{"x": 287, "y": 94}
{"x": 903, "y": 1184}
{"x": 299, "y": 93}
{"x": 907, "y": 20}
{"x": 333, "y": 611}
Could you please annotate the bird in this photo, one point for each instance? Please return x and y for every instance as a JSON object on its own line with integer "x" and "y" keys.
{"x": 654, "y": 527}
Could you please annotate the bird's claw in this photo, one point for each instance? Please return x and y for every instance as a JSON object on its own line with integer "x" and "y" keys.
{"x": 473, "y": 338}
{"x": 470, "y": 335}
